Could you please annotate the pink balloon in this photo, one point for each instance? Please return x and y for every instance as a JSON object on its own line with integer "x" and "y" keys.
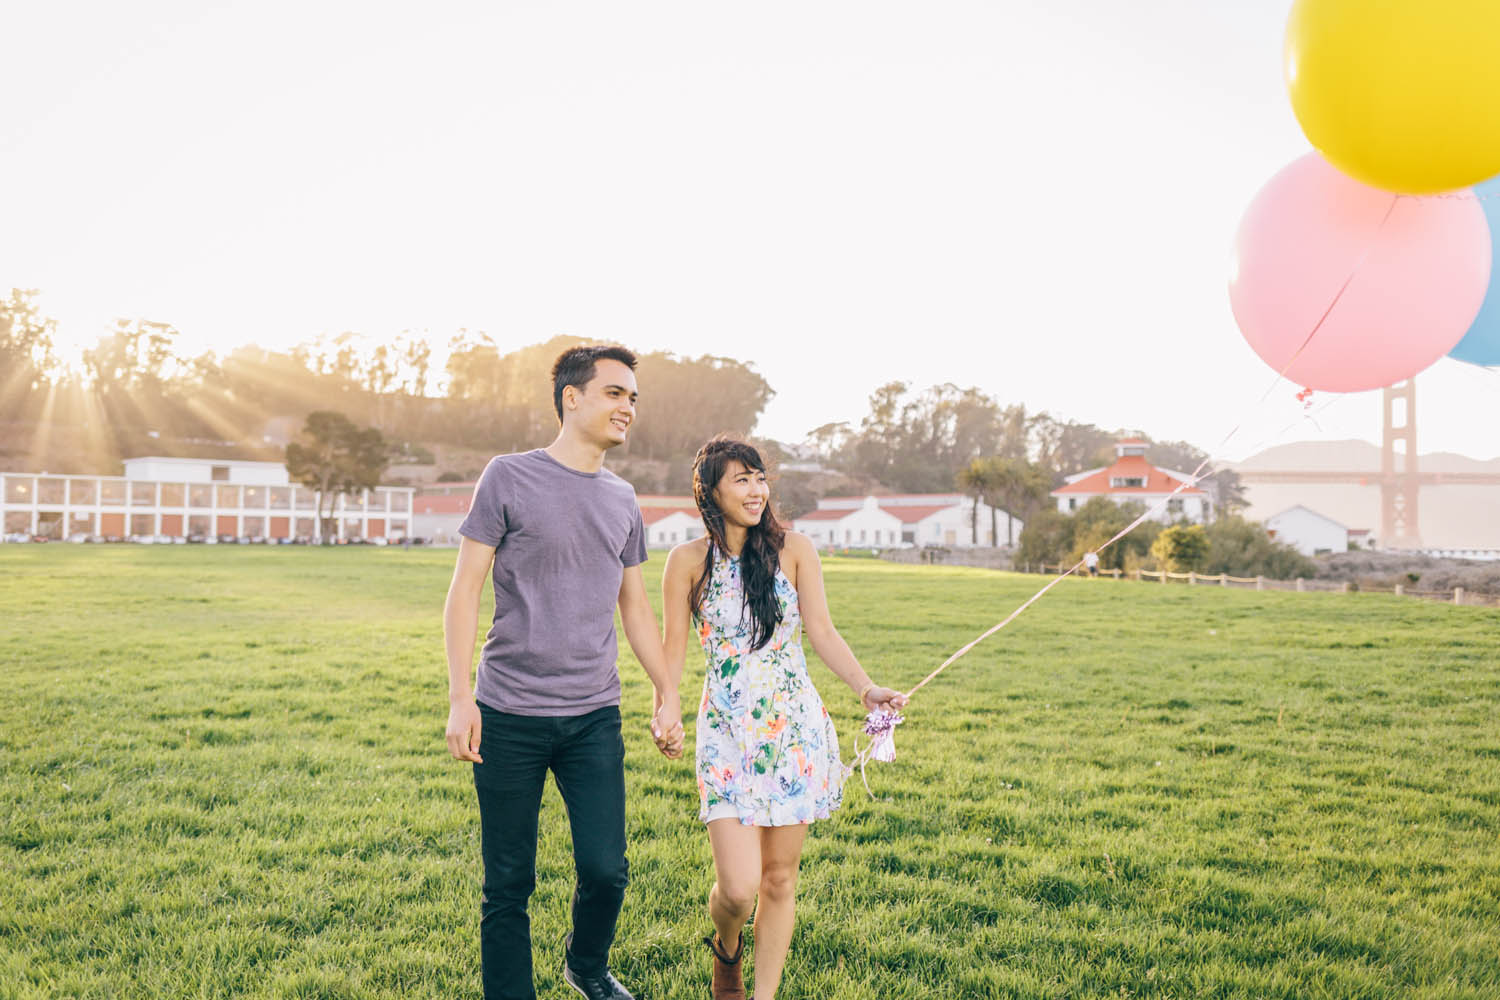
{"x": 1419, "y": 277}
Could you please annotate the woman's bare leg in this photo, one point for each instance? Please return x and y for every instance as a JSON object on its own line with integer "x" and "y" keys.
{"x": 737, "y": 875}
{"x": 780, "y": 855}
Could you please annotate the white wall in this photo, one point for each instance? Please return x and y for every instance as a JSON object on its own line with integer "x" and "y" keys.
{"x": 1194, "y": 505}
{"x": 867, "y": 527}
{"x": 179, "y": 470}
{"x": 674, "y": 529}
{"x": 1308, "y": 531}
{"x": 957, "y": 523}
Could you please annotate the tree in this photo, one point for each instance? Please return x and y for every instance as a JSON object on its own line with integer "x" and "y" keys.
{"x": 1181, "y": 548}
{"x": 1013, "y": 484}
{"x": 1244, "y": 548}
{"x": 26, "y": 341}
{"x": 1046, "y": 538}
{"x": 1065, "y": 447}
{"x": 335, "y": 457}
{"x": 974, "y": 479}
{"x": 1226, "y": 492}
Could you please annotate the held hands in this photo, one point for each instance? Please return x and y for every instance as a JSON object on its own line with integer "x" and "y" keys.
{"x": 883, "y": 698}
{"x": 666, "y": 727}
{"x": 463, "y": 730}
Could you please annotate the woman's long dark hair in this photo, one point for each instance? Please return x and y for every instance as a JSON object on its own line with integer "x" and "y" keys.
{"x": 761, "y": 553}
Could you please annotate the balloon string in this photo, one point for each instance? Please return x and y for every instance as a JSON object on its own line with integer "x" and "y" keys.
{"x": 1195, "y": 476}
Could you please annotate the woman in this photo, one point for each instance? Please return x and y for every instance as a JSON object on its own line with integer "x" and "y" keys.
{"x": 768, "y": 759}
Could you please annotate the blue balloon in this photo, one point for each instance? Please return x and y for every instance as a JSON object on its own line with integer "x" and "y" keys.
{"x": 1481, "y": 345}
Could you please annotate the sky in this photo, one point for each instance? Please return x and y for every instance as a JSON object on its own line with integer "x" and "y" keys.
{"x": 1034, "y": 197}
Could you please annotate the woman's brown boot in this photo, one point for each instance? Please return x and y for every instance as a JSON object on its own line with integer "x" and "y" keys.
{"x": 727, "y": 982}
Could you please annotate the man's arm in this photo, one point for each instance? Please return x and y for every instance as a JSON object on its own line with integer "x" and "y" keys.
{"x": 460, "y": 626}
{"x": 645, "y": 641}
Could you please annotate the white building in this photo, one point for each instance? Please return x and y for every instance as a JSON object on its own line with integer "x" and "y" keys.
{"x": 435, "y": 519}
{"x": 946, "y": 519}
{"x": 1132, "y": 478}
{"x": 442, "y": 507}
{"x": 669, "y": 526}
{"x": 1307, "y": 531}
{"x": 172, "y": 498}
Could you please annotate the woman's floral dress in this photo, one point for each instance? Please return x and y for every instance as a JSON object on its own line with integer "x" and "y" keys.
{"x": 766, "y": 749}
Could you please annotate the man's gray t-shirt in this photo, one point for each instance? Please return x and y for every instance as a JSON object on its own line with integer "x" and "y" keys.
{"x": 562, "y": 539}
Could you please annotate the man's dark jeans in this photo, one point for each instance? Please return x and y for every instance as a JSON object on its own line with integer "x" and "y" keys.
{"x": 587, "y": 758}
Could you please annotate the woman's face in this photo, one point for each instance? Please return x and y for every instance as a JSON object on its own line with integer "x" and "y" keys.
{"x": 742, "y": 494}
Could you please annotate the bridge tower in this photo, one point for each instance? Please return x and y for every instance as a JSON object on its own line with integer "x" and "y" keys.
{"x": 1399, "y": 477}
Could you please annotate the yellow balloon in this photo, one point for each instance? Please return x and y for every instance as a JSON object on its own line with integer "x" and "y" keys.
{"x": 1400, "y": 94}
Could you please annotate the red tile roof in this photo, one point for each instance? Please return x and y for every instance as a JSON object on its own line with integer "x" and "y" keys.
{"x": 888, "y": 497}
{"x": 827, "y": 514}
{"x": 458, "y": 504}
{"x": 1131, "y": 466}
{"x": 911, "y": 515}
{"x": 653, "y": 500}
{"x": 650, "y": 515}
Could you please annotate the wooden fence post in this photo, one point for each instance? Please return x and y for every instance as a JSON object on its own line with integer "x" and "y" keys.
{"x": 1137, "y": 576}
{"x": 1344, "y": 587}
{"x": 1458, "y": 595}
{"x": 1400, "y": 589}
{"x": 1223, "y": 579}
{"x": 1192, "y": 579}
{"x": 1260, "y": 583}
{"x": 1299, "y": 584}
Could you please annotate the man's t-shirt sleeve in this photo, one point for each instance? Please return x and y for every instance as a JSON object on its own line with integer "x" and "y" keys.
{"x": 634, "y": 552}
{"x": 485, "y": 522}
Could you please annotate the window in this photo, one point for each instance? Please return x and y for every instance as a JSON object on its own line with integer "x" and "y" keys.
{"x": 255, "y": 497}
{"x": 51, "y": 490}
{"x": 228, "y": 496}
{"x": 861, "y": 534}
{"x": 82, "y": 491}
{"x": 113, "y": 492}
{"x": 1127, "y": 482}
{"x": 19, "y": 489}
{"x": 142, "y": 525}
{"x": 171, "y": 494}
{"x": 376, "y": 500}
{"x": 142, "y": 494}
{"x": 200, "y": 495}
{"x": 219, "y": 473}
{"x": 198, "y": 525}
{"x": 281, "y": 497}
{"x": 399, "y": 502}
{"x": 254, "y": 527}
{"x": 1174, "y": 505}
{"x": 306, "y": 499}
{"x": 1072, "y": 503}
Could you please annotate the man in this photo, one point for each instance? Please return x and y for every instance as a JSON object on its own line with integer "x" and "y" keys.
{"x": 565, "y": 540}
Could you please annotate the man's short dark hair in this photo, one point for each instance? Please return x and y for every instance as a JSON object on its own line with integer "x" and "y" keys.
{"x": 576, "y": 365}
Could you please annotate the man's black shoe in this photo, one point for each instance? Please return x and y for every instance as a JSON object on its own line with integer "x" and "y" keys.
{"x": 605, "y": 987}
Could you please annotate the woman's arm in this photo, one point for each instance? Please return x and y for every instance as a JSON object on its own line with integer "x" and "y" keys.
{"x": 826, "y": 641}
{"x": 683, "y": 562}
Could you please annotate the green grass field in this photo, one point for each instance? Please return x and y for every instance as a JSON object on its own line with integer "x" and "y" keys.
{"x": 223, "y": 775}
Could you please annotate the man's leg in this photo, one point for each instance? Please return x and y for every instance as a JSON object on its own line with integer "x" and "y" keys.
{"x": 509, "y": 785}
{"x": 589, "y": 764}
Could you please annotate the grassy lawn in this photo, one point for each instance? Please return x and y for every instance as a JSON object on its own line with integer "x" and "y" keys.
{"x": 222, "y": 775}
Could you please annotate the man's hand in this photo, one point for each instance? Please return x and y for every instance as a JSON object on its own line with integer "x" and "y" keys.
{"x": 666, "y": 728}
{"x": 463, "y": 730}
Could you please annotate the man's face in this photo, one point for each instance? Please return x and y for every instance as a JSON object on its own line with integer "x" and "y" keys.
{"x": 604, "y": 409}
